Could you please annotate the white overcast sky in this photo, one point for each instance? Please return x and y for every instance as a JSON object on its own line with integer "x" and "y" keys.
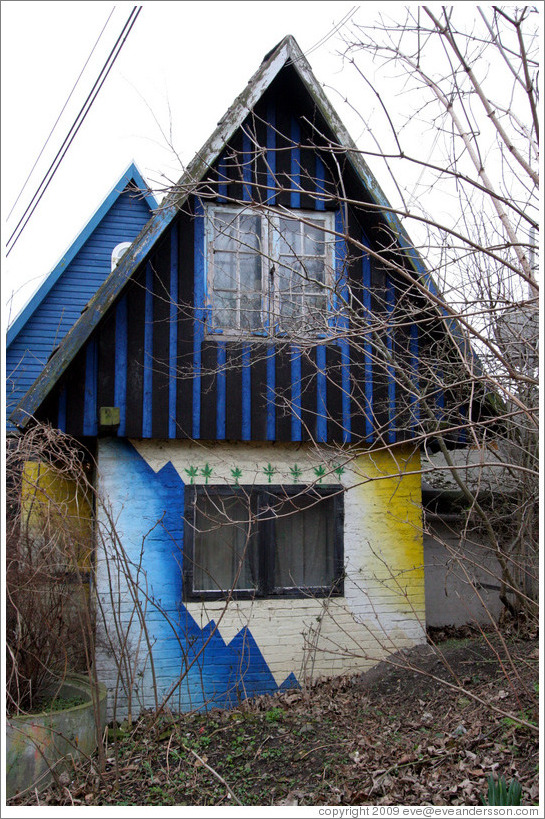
{"x": 181, "y": 67}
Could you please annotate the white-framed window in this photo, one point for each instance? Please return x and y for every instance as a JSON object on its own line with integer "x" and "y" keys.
{"x": 118, "y": 252}
{"x": 269, "y": 273}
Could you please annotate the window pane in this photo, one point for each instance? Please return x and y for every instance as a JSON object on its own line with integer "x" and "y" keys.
{"x": 314, "y": 240}
{"x": 250, "y": 232}
{"x": 284, "y": 275}
{"x": 304, "y": 543}
{"x": 289, "y": 239}
{"x": 224, "y": 230}
{"x": 224, "y": 310}
{"x": 225, "y": 271}
{"x": 250, "y": 312}
{"x": 314, "y": 272}
{"x": 316, "y": 314}
{"x": 250, "y": 272}
{"x": 225, "y": 544}
{"x": 290, "y": 312}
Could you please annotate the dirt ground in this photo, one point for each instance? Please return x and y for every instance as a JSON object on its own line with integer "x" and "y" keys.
{"x": 426, "y": 728}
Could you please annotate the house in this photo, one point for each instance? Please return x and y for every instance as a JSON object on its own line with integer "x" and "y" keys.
{"x": 251, "y": 381}
{"x": 57, "y": 304}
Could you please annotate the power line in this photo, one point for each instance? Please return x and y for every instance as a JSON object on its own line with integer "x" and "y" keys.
{"x": 333, "y": 30}
{"x": 60, "y": 115}
{"x": 86, "y": 107}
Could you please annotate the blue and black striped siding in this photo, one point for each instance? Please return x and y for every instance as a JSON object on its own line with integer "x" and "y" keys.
{"x": 151, "y": 357}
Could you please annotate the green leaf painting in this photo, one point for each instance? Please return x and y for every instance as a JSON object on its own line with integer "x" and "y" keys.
{"x": 296, "y": 472}
{"x": 339, "y": 470}
{"x": 206, "y": 471}
{"x": 236, "y": 473}
{"x": 319, "y": 471}
{"x": 269, "y": 471}
{"x": 192, "y": 472}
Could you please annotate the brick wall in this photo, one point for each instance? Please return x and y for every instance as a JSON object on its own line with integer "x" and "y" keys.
{"x": 258, "y": 645}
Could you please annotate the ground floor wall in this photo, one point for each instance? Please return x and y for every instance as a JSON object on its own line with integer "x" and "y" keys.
{"x": 154, "y": 643}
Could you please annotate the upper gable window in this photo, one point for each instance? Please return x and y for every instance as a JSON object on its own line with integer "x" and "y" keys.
{"x": 118, "y": 252}
{"x": 269, "y": 274}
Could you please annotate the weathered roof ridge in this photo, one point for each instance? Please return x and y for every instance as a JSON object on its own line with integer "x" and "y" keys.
{"x": 131, "y": 174}
{"x": 287, "y": 51}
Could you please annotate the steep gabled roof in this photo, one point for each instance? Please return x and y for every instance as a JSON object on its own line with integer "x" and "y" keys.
{"x": 287, "y": 52}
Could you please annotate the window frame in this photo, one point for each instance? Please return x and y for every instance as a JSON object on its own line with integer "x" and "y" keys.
{"x": 265, "y": 545}
{"x": 271, "y": 300}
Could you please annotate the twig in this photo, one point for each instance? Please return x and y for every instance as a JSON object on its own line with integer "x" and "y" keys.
{"x": 218, "y": 776}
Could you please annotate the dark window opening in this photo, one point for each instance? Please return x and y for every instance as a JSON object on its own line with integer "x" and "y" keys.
{"x": 263, "y": 541}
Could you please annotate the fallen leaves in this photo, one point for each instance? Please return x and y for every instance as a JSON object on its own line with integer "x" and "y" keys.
{"x": 395, "y": 738}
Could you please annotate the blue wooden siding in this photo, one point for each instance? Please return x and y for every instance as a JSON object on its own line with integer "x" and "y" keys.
{"x": 53, "y": 316}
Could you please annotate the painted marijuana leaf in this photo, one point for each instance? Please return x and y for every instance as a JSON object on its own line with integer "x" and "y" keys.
{"x": 236, "y": 473}
{"x": 296, "y": 472}
{"x": 269, "y": 471}
{"x": 319, "y": 471}
{"x": 206, "y": 471}
{"x": 192, "y": 472}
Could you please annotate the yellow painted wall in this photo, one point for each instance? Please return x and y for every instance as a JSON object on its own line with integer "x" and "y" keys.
{"x": 54, "y": 507}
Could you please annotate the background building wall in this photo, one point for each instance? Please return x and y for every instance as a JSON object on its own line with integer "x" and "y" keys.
{"x": 462, "y": 577}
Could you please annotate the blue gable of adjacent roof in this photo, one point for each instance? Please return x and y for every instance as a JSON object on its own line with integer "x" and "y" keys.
{"x": 58, "y": 303}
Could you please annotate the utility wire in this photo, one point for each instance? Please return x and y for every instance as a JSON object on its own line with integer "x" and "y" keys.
{"x": 73, "y": 130}
{"x": 333, "y": 30}
{"x": 60, "y": 115}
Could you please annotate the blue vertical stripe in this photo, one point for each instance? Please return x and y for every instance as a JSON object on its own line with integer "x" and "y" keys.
{"x": 345, "y": 384}
{"x": 246, "y": 168}
{"x": 120, "y": 363}
{"x": 270, "y": 394}
{"x": 220, "y": 391}
{"x": 390, "y": 305}
{"x": 222, "y": 179}
{"x": 198, "y": 329}
{"x": 320, "y": 183}
{"x": 367, "y": 348}
{"x": 271, "y": 154}
{"x": 321, "y": 394}
{"x": 148, "y": 355}
{"x": 246, "y": 394}
{"x": 61, "y": 409}
{"x": 295, "y": 164}
{"x": 173, "y": 332}
{"x": 90, "y": 395}
{"x": 415, "y": 402}
{"x": 295, "y": 393}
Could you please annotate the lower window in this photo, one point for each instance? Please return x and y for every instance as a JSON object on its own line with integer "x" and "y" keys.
{"x": 263, "y": 541}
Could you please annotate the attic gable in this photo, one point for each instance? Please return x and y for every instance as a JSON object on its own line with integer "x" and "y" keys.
{"x": 275, "y": 150}
{"x": 286, "y": 54}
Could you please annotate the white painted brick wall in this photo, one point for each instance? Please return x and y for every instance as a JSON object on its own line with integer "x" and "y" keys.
{"x": 383, "y": 606}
